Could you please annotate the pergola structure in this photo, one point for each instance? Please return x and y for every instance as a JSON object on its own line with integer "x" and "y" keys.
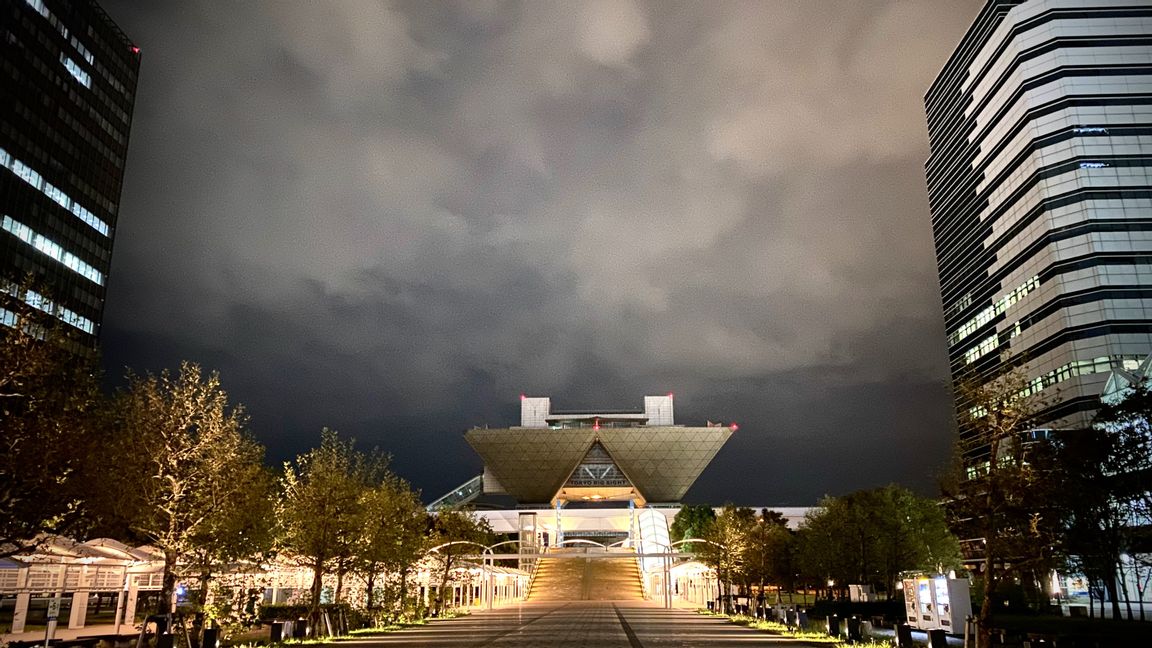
{"x": 107, "y": 583}
{"x": 77, "y": 571}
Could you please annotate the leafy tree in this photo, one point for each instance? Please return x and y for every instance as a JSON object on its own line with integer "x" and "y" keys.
{"x": 242, "y": 527}
{"x": 393, "y": 538}
{"x": 456, "y": 526}
{"x": 727, "y": 550}
{"x": 1108, "y": 473}
{"x": 769, "y": 559}
{"x": 870, "y": 536}
{"x": 50, "y": 434}
{"x": 183, "y": 463}
{"x": 1004, "y": 491}
{"x": 320, "y": 513}
{"x": 691, "y": 521}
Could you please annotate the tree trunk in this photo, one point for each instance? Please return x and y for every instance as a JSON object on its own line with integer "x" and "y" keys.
{"x": 316, "y": 589}
{"x": 1113, "y": 593}
{"x": 984, "y": 619}
{"x": 370, "y": 583}
{"x": 443, "y": 584}
{"x": 168, "y": 586}
{"x": 404, "y": 590}
{"x": 339, "y": 586}
{"x": 199, "y": 621}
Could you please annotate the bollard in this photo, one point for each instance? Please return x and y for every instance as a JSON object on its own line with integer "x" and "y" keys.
{"x": 210, "y": 637}
{"x": 937, "y": 638}
{"x": 300, "y": 629}
{"x": 165, "y": 640}
{"x": 833, "y": 626}
{"x": 854, "y": 633}
{"x": 276, "y": 632}
{"x": 904, "y": 636}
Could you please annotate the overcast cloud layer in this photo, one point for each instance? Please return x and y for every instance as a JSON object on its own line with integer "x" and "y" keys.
{"x": 394, "y": 218}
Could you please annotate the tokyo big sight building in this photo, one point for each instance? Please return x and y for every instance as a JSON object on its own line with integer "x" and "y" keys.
{"x": 1040, "y": 189}
{"x": 67, "y": 89}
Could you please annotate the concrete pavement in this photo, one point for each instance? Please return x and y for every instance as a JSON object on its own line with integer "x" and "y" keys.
{"x": 593, "y": 624}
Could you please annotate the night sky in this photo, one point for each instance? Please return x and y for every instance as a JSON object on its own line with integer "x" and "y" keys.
{"x": 392, "y": 219}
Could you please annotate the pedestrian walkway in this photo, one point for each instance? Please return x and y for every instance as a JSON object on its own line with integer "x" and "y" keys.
{"x": 595, "y": 624}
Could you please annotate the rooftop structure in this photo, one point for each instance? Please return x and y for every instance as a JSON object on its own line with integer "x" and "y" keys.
{"x": 558, "y": 457}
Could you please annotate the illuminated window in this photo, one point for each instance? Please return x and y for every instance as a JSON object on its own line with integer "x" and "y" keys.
{"x": 38, "y": 5}
{"x": 1001, "y": 305}
{"x": 52, "y": 249}
{"x": 27, "y": 174}
{"x": 75, "y": 70}
{"x": 43, "y": 304}
{"x": 1065, "y": 372}
{"x": 986, "y": 346}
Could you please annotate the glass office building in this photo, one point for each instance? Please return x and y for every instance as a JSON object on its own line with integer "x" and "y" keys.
{"x": 1040, "y": 127}
{"x": 67, "y": 87}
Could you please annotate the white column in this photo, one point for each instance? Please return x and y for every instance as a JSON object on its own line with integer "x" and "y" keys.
{"x": 79, "y": 600}
{"x": 20, "y": 613}
{"x": 130, "y": 603}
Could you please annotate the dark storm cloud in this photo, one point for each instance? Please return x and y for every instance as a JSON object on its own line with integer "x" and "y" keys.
{"x": 393, "y": 218}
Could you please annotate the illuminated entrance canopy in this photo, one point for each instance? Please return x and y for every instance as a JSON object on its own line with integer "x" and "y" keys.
{"x": 638, "y": 456}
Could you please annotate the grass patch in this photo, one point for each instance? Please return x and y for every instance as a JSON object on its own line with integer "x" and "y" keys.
{"x": 359, "y": 633}
{"x": 776, "y": 628}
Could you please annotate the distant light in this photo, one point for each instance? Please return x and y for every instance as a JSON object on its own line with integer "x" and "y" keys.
{"x": 733, "y": 426}
{"x": 135, "y": 50}
{"x": 669, "y": 394}
{"x": 596, "y": 425}
{"x": 523, "y": 397}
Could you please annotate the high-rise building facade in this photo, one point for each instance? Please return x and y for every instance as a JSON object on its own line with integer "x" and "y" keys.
{"x": 1040, "y": 186}
{"x": 67, "y": 88}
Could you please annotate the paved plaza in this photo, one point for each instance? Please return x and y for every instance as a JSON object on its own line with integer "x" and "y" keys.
{"x": 592, "y": 624}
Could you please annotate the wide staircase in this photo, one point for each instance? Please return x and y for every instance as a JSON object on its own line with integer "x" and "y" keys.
{"x": 576, "y": 578}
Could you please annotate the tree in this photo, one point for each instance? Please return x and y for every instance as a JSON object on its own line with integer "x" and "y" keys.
{"x": 727, "y": 550}
{"x": 242, "y": 527}
{"x": 870, "y": 536}
{"x": 770, "y": 555}
{"x": 691, "y": 521}
{"x": 51, "y": 414}
{"x": 393, "y": 538}
{"x": 456, "y": 532}
{"x": 320, "y": 512}
{"x": 1108, "y": 481}
{"x": 1003, "y": 492}
{"x": 183, "y": 461}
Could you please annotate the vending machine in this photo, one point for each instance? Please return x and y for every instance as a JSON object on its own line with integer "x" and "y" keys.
{"x": 910, "y": 602}
{"x": 937, "y": 602}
